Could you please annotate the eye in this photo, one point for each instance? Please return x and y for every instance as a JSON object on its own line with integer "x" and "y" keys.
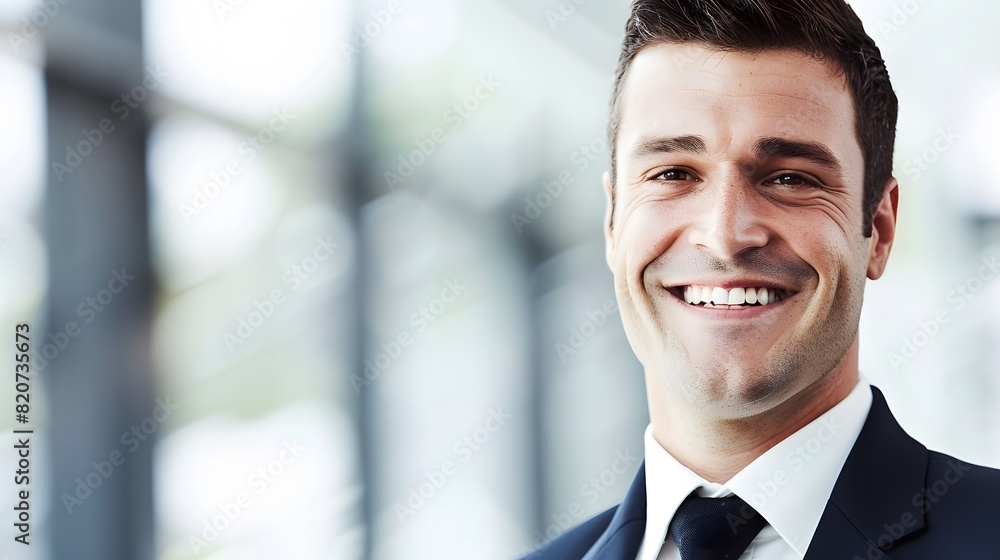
{"x": 793, "y": 180}
{"x": 675, "y": 175}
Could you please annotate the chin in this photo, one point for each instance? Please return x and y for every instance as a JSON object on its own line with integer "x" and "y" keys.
{"x": 736, "y": 390}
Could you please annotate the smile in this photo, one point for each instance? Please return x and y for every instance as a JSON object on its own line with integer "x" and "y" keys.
{"x": 738, "y": 297}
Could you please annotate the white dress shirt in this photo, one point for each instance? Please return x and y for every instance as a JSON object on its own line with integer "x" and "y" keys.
{"x": 789, "y": 484}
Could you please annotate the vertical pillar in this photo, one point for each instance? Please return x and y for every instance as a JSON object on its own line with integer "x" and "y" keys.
{"x": 100, "y": 383}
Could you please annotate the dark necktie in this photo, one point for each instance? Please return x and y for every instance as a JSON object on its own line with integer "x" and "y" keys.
{"x": 714, "y": 528}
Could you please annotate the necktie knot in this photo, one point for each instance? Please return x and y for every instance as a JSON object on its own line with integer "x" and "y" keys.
{"x": 714, "y": 528}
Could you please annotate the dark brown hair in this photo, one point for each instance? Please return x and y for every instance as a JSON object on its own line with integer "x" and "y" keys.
{"x": 825, "y": 28}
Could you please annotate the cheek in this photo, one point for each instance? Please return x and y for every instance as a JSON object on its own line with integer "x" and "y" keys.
{"x": 841, "y": 271}
{"x": 646, "y": 232}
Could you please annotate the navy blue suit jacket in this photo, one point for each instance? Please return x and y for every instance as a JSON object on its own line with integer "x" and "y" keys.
{"x": 893, "y": 500}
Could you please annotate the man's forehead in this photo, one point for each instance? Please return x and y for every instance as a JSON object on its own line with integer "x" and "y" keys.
{"x": 665, "y": 60}
{"x": 681, "y": 88}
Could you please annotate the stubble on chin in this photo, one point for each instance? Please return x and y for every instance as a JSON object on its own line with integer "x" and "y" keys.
{"x": 732, "y": 390}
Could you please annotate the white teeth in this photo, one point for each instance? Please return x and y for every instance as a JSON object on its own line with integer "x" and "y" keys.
{"x": 720, "y": 296}
{"x": 696, "y": 295}
{"x": 762, "y": 296}
{"x": 737, "y": 296}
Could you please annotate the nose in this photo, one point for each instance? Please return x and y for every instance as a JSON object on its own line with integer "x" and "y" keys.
{"x": 730, "y": 222}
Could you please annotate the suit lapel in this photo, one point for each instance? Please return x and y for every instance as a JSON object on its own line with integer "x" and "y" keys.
{"x": 872, "y": 504}
{"x": 624, "y": 533}
{"x": 837, "y": 537}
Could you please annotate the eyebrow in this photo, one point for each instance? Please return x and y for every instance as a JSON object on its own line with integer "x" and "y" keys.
{"x": 670, "y": 144}
{"x": 768, "y": 148}
{"x": 764, "y": 149}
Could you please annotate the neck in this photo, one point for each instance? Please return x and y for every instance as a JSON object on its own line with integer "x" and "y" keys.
{"x": 717, "y": 448}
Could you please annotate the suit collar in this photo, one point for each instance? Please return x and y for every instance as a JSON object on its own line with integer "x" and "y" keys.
{"x": 624, "y": 533}
{"x": 874, "y": 502}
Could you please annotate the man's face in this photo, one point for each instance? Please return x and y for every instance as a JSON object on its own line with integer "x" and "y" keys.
{"x": 739, "y": 178}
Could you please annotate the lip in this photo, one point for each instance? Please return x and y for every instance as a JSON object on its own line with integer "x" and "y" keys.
{"x": 728, "y": 284}
{"x": 738, "y": 313}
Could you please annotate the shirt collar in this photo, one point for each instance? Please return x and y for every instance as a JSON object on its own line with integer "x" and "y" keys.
{"x": 789, "y": 484}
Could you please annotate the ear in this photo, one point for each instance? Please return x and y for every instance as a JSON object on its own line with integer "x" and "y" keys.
{"x": 883, "y": 229}
{"x": 609, "y": 234}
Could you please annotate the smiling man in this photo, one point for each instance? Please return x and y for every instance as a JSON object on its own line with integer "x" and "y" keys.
{"x": 750, "y": 198}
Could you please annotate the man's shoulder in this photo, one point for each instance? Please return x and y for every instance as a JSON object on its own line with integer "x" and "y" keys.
{"x": 575, "y": 542}
{"x": 960, "y": 487}
{"x": 940, "y": 463}
{"x": 959, "y": 503}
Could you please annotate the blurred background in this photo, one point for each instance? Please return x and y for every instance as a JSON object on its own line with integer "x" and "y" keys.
{"x": 324, "y": 279}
